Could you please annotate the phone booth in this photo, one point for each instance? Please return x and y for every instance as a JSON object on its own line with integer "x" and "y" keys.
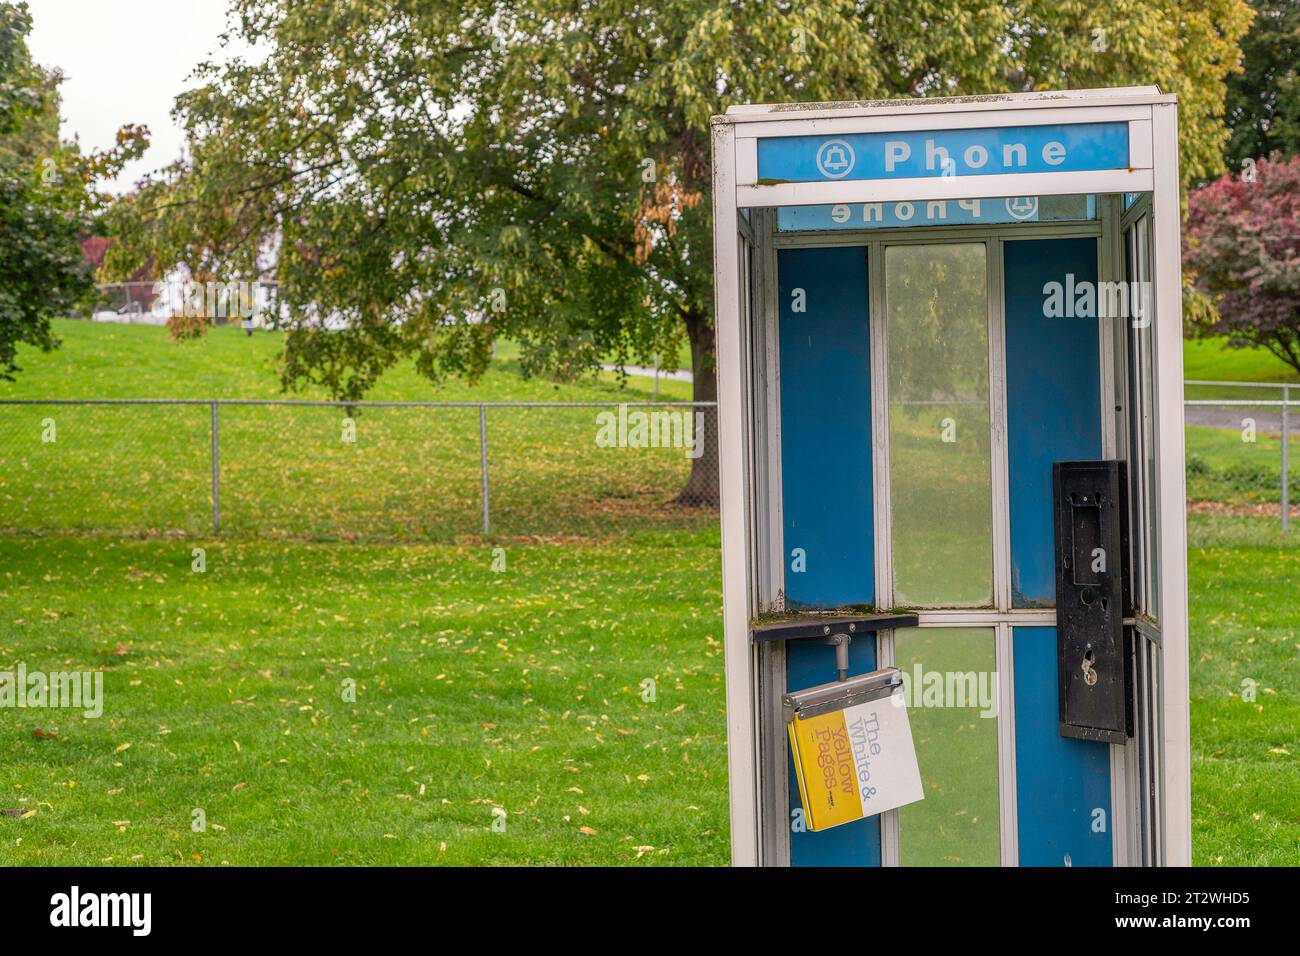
{"x": 951, "y": 440}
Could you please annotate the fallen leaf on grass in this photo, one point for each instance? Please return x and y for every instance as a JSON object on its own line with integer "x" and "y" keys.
{"x": 588, "y": 831}
{"x": 45, "y": 734}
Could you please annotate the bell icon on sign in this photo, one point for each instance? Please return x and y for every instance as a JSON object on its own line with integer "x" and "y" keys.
{"x": 1022, "y": 207}
{"x": 835, "y": 159}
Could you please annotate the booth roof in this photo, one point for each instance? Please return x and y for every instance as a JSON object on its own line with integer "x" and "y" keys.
{"x": 1044, "y": 98}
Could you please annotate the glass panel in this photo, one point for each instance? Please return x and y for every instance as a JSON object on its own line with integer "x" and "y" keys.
{"x": 1146, "y": 333}
{"x": 1142, "y": 450}
{"x": 1137, "y": 530}
{"x": 952, "y": 706}
{"x": 940, "y": 480}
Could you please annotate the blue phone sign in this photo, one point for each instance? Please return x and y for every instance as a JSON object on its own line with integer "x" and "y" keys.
{"x": 954, "y": 153}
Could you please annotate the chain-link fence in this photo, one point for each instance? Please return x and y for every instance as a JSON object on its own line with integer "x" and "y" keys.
{"x": 448, "y": 471}
{"x": 1239, "y": 446}
{"x": 419, "y": 471}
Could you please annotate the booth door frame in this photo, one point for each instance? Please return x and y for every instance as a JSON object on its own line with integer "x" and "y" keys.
{"x": 1002, "y": 617}
{"x": 1137, "y": 427}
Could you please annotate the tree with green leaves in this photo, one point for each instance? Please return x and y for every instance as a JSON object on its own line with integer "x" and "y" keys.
{"x": 433, "y": 176}
{"x": 47, "y": 200}
{"x": 1263, "y": 100}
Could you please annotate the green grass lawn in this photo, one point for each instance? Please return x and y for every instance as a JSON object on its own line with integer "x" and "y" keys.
{"x": 1245, "y": 618}
{"x": 99, "y": 360}
{"x": 1210, "y": 360}
{"x": 523, "y": 689}
{"x": 1223, "y": 467}
{"x": 1245, "y": 627}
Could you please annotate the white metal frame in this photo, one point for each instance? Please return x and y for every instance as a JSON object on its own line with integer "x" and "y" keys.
{"x": 1153, "y": 169}
{"x": 1113, "y": 401}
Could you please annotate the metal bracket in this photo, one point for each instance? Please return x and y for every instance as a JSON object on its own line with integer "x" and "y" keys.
{"x": 836, "y": 631}
{"x": 840, "y": 642}
{"x": 840, "y": 694}
{"x": 804, "y": 626}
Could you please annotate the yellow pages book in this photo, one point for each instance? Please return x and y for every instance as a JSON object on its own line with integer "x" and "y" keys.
{"x": 855, "y": 762}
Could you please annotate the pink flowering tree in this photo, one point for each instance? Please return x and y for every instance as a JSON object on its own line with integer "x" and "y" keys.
{"x": 1241, "y": 253}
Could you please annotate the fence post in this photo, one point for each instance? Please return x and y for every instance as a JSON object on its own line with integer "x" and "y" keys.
{"x": 1286, "y": 459}
{"x": 483, "y": 463}
{"x": 216, "y": 474}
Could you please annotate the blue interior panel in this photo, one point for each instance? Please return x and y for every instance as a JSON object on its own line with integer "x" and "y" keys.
{"x": 1053, "y": 414}
{"x": 1053, "y": 399}
{"x": 826, "y": 426}
{"x": 1062, "y": 784}
{"x": 826, "y": 484}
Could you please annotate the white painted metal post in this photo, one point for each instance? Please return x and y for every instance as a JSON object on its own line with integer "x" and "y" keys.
{"x": 216, "y": 473}
{"x": 483, "y": 465}
{"x": 1286, "y": 459}
{"x": 1171, "y": 477}
{"x": 742, "y": 758}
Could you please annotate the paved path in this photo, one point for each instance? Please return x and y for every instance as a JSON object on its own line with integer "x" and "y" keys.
{"x": 681, "y": 376}
{"x": 1217, "y": 416}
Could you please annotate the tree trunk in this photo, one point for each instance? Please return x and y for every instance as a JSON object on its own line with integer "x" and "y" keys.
{"x": 701, "y": 489}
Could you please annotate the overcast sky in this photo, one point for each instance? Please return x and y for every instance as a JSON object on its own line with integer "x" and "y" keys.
{"x": 125, "y": 61}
